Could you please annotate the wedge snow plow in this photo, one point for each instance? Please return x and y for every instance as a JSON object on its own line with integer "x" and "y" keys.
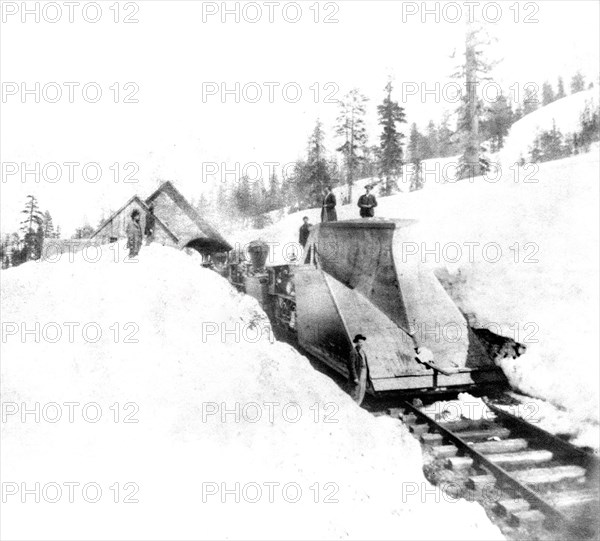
{"x": 355, "y": 277}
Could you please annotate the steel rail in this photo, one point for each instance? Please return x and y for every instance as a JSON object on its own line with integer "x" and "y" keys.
{"x": 589, "y": 461}
{"x": 505, "y": 478}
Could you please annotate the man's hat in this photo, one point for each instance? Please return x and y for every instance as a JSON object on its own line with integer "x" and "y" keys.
{"x": 359, "y": 337}
{"x": 368, "y": 186}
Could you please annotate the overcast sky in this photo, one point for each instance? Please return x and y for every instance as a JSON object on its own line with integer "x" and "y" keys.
{"x": 170, "y": 55}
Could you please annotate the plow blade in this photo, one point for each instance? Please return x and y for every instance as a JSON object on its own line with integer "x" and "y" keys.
{"x": 358, "y": 279}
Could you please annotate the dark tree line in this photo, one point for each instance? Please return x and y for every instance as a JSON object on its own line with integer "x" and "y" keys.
{"x": 479, "y": 128}
{"x": 303, "y": 184}
{"x": 553, "y": 144}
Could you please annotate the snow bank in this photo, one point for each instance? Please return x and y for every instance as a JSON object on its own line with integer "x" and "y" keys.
{"x": 518, "y": 254}
{"x": 556, "y": 420}
{"x": 565, "y": 113}
{"x": 466, "y": 406}
{"x": 172, "y": 346}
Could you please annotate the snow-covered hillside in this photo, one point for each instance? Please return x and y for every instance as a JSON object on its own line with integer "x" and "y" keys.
{"x": 518, "y": 254}
{"x": 565, "y": 113}
{"x": 162, "y": 359}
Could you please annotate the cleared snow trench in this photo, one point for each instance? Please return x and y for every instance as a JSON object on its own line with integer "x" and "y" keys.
{"x": 183, "y": 434}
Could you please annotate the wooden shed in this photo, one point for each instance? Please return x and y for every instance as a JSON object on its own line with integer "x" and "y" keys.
{"x": 178, "y": 224}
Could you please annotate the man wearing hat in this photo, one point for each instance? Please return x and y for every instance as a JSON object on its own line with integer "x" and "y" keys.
{"x": 357, "y": 370}
{"x": 367, "y": 203}
{"x": 134, "y": 234}
{"x": 328, "y": 212}
{"x": 304, "y": 232}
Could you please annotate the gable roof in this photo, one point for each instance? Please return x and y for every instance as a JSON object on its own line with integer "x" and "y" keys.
{"x": 204, "y": 234}
{"x": 201, "y": 236}
{"x": 144, "y": 207}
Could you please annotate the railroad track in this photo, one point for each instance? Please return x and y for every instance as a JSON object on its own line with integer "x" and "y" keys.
{"x": 537, "y": 479}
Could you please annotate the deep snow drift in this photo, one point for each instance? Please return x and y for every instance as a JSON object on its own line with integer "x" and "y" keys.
{"x": 518, "y": 253}
{"x": 563, "y": 113}
{"x": 176, "y": 380}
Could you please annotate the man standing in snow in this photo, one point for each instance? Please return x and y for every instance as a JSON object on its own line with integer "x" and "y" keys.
{"x": 357, "y": 370}
{"x": 150, "y": 224}
{"x": 134, "y": 234}
{"x": 367, "y": 203}
{"x": 304, "y": 232}
{"x": 328, "y": 212}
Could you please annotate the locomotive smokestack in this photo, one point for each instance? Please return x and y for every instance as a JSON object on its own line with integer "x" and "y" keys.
{"x": 258, "y": 251}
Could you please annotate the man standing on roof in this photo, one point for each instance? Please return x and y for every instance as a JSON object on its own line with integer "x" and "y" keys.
{"x": 150, "y": 225}
{"x": 134, "y": 234}
{"x": 328, "y": 212}
{"x": 367, "y": 203}
{"x": 357, "y": 370}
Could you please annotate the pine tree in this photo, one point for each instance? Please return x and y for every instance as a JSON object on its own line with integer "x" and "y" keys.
{"x": 242, "y": 196}
{"x": 535, "y": 151}
{"x": 577, "y": 83}
{"x": 390, "y": 149}
{"x": 34, "y": 216}
{"x": 351, "y": 127}
{"x": 446, "y": 145}
{"x": 258, "y": 196}
{"x": 433, "y": 143}
{"x": 547, "y": 93}
{"x": 203, "y": 205}
{"x": 550, "y": 145}
{"x": 33, "y": 219}
{"x": 84, "y": 232}
{"x": 589, "y": 131}
{"x": 518, "y": 114}
{"x": 473, "y": 161}
{"x": 275, "y": 200}
{"x": 531, "y": 102}
{"x": 57, "y": 235}
{"x": 497, "y": 122}
{"x": 5, "y": 252}
{"x": 415, "y": 143}
{"x": 48, "y": 226}
{"x": 39, "y": 242}
{"x": 317, "y": 174}
{"x": 222, "y": 198}
{"x": 312, "y": 174}
{"x": 560, "y": 93}
{"x": 288, "y": 192}
{"x": 427, "y": 142}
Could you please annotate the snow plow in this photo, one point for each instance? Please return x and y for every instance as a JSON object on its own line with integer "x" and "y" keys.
{"x": 354, "y": 278}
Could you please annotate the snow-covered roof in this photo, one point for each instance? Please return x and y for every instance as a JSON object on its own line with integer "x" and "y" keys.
{"x": 181, "y": 221}
{"x": 201, "y": 232}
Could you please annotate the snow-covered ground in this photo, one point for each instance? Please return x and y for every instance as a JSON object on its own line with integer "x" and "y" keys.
{"x": 518, "y": 252}
{"x": 171, "y": 345}
{"x": 563, "y": 113}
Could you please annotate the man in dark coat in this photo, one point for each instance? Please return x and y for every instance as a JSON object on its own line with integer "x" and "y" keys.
{"x": 304, "y": 232}
{"x": 367, "y": 203}
{"x": 134, "y": 234}
{"x": 357, "y": 370}
{"x": 328, "y": 212}
{"x": 150, "y": 224}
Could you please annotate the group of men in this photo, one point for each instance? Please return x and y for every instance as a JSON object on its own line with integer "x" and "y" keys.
{"x": 366, "y": 203}
{"x": 134, "y": 230}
